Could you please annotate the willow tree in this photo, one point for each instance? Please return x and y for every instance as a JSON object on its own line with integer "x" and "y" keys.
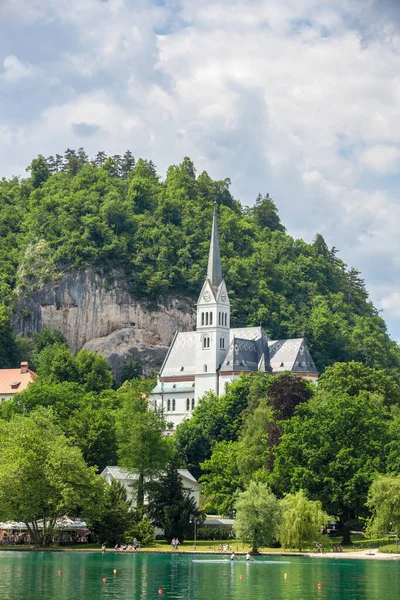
{"x": 384, "y": 503}
{"x": 301, "y": 520}
{"x": 257, "y": 515}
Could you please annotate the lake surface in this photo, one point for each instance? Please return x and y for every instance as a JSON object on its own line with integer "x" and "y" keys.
{"x": 34, "y": 576}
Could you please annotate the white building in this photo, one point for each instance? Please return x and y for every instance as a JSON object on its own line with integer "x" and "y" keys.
{"x": 214, "y": 355}
{"x": 128, "y": 480}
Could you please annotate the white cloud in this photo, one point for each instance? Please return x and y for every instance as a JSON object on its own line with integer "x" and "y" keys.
{"x": 382, "y": 158}
{"x": 298, "y": 98}
{"x": 391, "y": 304}
{"x": 14, "y": 69}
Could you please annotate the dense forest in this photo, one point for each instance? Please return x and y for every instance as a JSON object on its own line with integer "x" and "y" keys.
{"x": 72, "y": 212}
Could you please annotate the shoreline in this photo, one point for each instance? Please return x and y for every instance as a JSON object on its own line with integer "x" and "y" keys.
{"x": 371, "y": 554}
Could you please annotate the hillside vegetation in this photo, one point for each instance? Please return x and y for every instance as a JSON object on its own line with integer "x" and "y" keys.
{"x": 70, "y": 213}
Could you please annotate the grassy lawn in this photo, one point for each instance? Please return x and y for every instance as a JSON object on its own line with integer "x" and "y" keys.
{"x": 359, "y": 542}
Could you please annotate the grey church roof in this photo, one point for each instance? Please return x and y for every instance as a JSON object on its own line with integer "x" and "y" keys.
{"x": 214, "y": 270}
{"x": 181, "y": 357}
{"x": 291, "y": 355}
{"x": 249, "y": 350}
{"x": 241, "y": 356}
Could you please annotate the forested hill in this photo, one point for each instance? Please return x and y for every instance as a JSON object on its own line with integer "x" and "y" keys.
{"x": 72, "y": 213}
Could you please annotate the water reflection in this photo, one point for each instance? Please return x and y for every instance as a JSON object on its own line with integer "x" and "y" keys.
{"x": 33, "y": 576}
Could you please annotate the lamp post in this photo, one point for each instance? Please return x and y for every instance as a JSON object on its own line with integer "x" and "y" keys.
{"x": 194, "y": 520}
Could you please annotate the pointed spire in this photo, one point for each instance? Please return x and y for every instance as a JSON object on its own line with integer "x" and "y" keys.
{"x": 214, "y": 271}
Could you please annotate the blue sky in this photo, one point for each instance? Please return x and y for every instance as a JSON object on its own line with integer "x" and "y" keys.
{"x": 300, "y": 99}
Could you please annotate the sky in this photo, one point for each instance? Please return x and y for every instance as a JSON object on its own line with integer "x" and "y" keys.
{"x": 297, "y": 98}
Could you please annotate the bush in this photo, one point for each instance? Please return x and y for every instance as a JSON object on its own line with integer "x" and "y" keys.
{"x": 143, "y": 531}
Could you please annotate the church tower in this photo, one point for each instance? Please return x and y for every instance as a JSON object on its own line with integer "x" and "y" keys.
{"x": 213, "y": 321}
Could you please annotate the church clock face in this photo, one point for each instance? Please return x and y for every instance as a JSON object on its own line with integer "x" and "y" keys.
{"x": 207, "y": 296}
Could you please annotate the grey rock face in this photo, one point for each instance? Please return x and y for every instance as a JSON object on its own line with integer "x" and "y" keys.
{"x": 101, "y": 315}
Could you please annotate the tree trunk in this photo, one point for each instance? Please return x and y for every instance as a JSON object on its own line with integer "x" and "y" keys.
{"x": 140, "y": 492}
{"x": 346, "y": 540}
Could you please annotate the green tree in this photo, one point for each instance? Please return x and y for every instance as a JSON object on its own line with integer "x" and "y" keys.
{"x": 353, "y": 377}
{"x": 170, "y": 505}
{"x": 333, "y": 448}
{"x": 301, "y": 520}
{"x": 47, "y": 475}
{"x": 258, "y": 515}
{"x": 221, "y": 480}
{"x": 384, "y": 504}
{"x": 142, "y": 447}
{"x": 266, "y": 214}
{"x": 215, "y": 419}
{"x": 39, "y": 171}
{"x": 113, "y": 515}
{"x": 56, "y": 364}
{"x": 91, "y": 427}
{"x": 8, "y": 348}
{"x": 253, "y": 452}
{"x": 95, "y": 373}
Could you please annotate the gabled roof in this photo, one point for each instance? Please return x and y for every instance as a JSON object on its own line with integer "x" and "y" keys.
{"x": 13, "y": 381}
{"x": 258, "y": 335}
{"x": 241, "y": 356}
{"x": 126, "y": 475}
{"x": 181, "y": 357}
{"x": 291, "y": 355}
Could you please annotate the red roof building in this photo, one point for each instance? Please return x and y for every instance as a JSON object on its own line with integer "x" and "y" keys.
{"x": 13, "y": 381}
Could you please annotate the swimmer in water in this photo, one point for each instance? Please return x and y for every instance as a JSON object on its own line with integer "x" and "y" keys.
{"x": 233, "y": 557}
{"x": 249, "y": 557}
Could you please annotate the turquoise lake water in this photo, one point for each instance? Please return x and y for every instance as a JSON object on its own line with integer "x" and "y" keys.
{"x": 34, "y": 576}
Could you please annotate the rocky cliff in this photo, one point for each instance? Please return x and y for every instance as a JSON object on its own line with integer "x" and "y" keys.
{"x": 100, "y": 314}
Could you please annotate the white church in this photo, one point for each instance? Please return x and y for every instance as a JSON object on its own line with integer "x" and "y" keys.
{"x": 214, "y": 355}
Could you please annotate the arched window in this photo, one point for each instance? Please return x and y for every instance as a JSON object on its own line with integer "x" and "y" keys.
{"x": 206, "y": 318}
{"x": 205, "y": 368}
{"x": 202, "y": 318}
{"x": 206, "y": 342}
{"x": 173, "y": 404}
{"x": 222, "y": 343}
{"x": 187, "y": 403}
{"x": 192, "y": 403}
{"x": 210, "y": 318}
{"x": 219, "y": 318}
{"x": 226, "y": 315}
{"x": 168, "y": 405}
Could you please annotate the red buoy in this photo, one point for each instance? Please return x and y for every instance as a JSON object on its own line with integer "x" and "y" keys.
{"x": 160, "y": 591}
{"x": 320, "y": 586}
{"x": 104, "y": 579}
{"x": 58, "y": 572}
{"x": 241, "y": 577}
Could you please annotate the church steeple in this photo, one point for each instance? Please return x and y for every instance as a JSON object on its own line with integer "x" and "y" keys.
{"x": 214, "y": 270}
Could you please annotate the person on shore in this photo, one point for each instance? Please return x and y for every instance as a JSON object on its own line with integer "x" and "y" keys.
{"x": 173, "y": 542}
{"x": 103, "y": 549}
{"x": 177, "y": 542}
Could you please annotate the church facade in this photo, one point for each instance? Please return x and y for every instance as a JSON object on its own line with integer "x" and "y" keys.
{"x": 214, "y": 355}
